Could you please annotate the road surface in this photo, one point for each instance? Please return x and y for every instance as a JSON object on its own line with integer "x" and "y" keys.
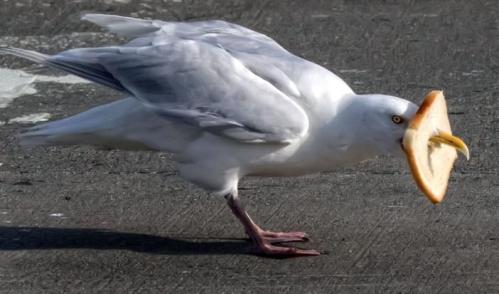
{"x": 79, "y": 220}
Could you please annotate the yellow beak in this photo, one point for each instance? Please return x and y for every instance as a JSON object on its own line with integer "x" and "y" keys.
{"x": 453, "y": 141}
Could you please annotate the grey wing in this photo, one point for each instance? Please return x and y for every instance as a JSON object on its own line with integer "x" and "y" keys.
{"x": 195, "y": 82}
{"x": 122, "y": 25}
{"x": 219, "y": 76}
{"x": 258, "y": 52}
{"x": 216, "y": 32}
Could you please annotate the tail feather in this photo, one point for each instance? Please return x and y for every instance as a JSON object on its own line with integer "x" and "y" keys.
{"x": 50, "y": 133}
{"x": 122, "y": 25}
{"x": 91, "y": 72}
{"x": 73, "y": 62}
{"x": 50, "y": 136}
{"x": 122, "y": 124}
{"x": 26, "y": 54}
{"x": 32, "y": 138}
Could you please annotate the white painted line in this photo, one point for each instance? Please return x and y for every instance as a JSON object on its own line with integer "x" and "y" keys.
{"x": 353, "y": 70}
{"x": 58, "y": 214}
{"x": 31, "y": 118}
{"x": 15, "y": 83}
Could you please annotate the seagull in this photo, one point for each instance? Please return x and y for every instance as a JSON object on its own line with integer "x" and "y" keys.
{"x": 227, "y": 102}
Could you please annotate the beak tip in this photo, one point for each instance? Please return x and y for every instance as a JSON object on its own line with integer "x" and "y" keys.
{"x": 449, "y": 139}
{"x": 466, "y": 153}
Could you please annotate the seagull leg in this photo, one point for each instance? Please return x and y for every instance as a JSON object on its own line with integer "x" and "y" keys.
{"x": 264, "y": 240}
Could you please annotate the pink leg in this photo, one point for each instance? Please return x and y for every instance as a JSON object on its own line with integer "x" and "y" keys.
{"x": 263, "y": 240}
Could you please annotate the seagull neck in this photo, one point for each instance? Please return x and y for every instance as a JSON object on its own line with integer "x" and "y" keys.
{"x": 349, "y": 132}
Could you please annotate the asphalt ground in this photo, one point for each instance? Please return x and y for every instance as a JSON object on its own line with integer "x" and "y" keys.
{"x": 80, "y": 220}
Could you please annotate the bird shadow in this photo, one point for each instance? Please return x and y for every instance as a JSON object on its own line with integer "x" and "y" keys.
{"x": 39, "y": 238}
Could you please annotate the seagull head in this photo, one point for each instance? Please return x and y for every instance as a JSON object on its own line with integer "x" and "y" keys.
{"x": 380, "y": 122}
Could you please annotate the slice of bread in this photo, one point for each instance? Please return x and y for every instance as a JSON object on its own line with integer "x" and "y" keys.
{"x": 430, "y": 163}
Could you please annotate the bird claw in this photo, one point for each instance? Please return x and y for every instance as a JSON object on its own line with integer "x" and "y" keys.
{"x": 264, "y": 243}
{"x": 283, "y": 237}
{"x": 265, "y": 248}
{"x": 263, "y": 240}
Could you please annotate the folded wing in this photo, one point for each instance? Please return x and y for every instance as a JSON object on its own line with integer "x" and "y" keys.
{"x": 220, "y": 77}
{"x": 197, "y": 83}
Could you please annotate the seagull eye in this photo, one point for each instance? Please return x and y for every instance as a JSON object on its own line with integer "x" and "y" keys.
{"x": 397, "y": 119}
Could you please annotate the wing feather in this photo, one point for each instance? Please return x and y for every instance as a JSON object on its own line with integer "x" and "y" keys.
{"x": 197, "y": 83}
{"x": 221, "y": 77}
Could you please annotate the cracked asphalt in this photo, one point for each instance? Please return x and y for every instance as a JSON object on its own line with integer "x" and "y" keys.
{"x": 80, "y": 220}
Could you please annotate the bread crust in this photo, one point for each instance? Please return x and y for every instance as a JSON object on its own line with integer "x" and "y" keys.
{"x": 430, "y": 163}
